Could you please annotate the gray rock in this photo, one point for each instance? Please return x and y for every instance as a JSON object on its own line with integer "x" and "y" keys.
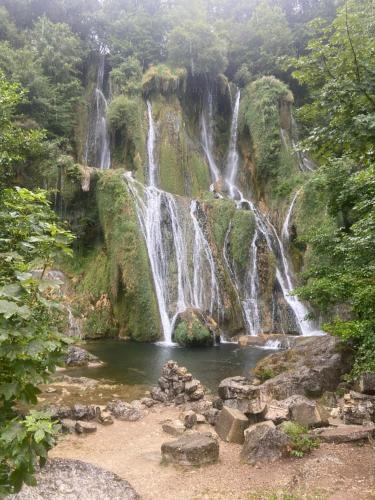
{"x": 61, "y": 479}
{"x": 231, "y": 425}
{"x": 201, "y": 419}
{"x": 173, "y": 427}
{"x": 304, "y": 411}
{"x": 367, "y": 383}
{"x": 75, "y": 412}
{"x": 83, "y": 427}
{"x": 212, "y": 416}
{"x": 218, "y": 403}
{"x": 235, "y": 388}
{"x": 264, "y": 443}
{"x": 80, "y": 357}
{"x": 193, "y": 449}
{"x": 277, "y": 412}
{"x": 105, "y": 418}
{"x": 189, "y": 419}
{"x": 124, "y": 411}
{"x": 315, "y": 365}
{"x": 191, "y": 386}
{"x": 345, "y": 433}
{"x": 68, "y": 425}
{"x": 358, "y": 408}
{"x": 148, "y": 402}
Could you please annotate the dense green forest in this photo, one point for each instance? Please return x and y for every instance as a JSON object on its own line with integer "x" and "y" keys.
{"x": 318, "y": 54}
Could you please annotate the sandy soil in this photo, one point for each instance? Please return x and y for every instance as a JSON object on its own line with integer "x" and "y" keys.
{"x": 132, "y": 450}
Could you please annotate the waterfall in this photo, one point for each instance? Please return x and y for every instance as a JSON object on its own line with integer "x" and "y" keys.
{"x": 207, "y": 138}
{"x": 233, "y": 156}
{"x": 285, "y": 230}
{"x": 264, "y": 228}
{"x": 181, "y": 261}
{"x": 97, "y": 150}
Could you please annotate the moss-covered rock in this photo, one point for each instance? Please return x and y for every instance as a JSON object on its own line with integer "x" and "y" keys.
{"x": 193, "y": 329}
{"x": 131, "y": 286}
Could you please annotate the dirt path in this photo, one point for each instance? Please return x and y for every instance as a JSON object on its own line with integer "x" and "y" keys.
{"x": 132, "y": 450}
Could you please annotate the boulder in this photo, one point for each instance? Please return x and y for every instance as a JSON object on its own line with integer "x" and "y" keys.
{"x": 367, "y": 383}
{"x": 193, "y": 328}
{"x": 345, "y": 433}
{"x": 77, "y": 356}
{"x": 75, "y": 412}
{"x": 61, "y": 479}
{"x": 191, "y": 450}
{"x": 264, "y": 442}
{"x": 277, "y": 412}
{"x": 358, "y": 408}
{"x": 235, "y": 388}
{"x": 173, "y": 427}
{"x": 313, "y": 366}
{"x": 148, "y": 402}
{"x": 231, "y": 425}
{"x": 83, "y": 427}
{"x": 105, "y": 418}
{"x": 304, "y": 411}
{"x": 124, "y": 411}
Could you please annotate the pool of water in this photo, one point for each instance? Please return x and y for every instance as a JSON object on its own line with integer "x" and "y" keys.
{"x": 134, "y": 363}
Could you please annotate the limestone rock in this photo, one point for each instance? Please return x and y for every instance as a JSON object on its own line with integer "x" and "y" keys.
{"x": 173, "y": 427}
{"x": 264, "y": 442}
{"x": 231, "y": 425}
{"x": 105, "y": 418}
{"x": 358, "y": 408}
{"x": 193, "y": 449}
{"x": 277, "y": 412}
{"x": 83, "y": 427}
{"x": 313, "y": 366}
{"x": 345, "y": 433}
{"x": 61, "y": 479}
{"x": 304, "y": 411}
{"x": 367, "y": 383}
{"x": 80, "y": 357}
{"x": 124, "y": 411}
{"x": 148, "y": 402}
{"x": 212, "y": 416}
{"x": 75, "y": 412}
{"x": 235, "y": 388}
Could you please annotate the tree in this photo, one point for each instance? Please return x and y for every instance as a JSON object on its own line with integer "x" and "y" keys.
{"x": 197, "y": 47}
{"x": 339, "y": 70}
{"x": 30, "y": 343}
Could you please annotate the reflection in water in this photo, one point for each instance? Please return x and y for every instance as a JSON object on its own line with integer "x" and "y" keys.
{"x": 140, "y": 364}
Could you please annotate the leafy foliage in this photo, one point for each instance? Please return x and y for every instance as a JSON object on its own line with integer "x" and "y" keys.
{"x": 301, "y": 442}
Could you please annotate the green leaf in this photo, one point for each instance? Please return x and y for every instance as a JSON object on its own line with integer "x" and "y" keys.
{"x": 9, "y": 309}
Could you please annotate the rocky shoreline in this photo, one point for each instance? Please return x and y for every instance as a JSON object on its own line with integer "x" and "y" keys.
{"x": 299, "y": 389}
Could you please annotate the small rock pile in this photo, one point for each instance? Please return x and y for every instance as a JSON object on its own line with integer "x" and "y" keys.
{"x": 177, "y": 385}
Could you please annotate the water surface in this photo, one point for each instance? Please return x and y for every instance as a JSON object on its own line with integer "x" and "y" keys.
{"x": 134, "y": 363}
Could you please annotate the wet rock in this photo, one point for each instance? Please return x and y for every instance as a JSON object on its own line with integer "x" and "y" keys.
{"x": 231, "y": 425}
{"x": 367, "y": 383}
{"x": 264, "y": 442}
{"x": 80, "y": 357}
{"x": 193, "y": 449}
{"x": 61, "y": 479}
{"x": 124, "y": 411}
{"x": 83, "y": 427}
{"x": 173, "y": 427}
{"x": 195, "y": 328}
{"x": 345, "y": 433}
{"x": 189, "y": 418}
{"x": 304, "y": 411}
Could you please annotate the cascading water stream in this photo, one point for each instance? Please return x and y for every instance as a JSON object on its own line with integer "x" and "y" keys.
{"x": 97, "y": 151}
{"x": 181, "y": 260}
{"x": 274, "y": 243}
{"x": 207, "y": 138}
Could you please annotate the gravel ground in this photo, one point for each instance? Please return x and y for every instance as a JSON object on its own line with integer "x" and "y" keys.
{"x": 132, "y": 451}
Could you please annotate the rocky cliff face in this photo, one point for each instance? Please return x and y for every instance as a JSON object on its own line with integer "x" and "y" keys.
{"x": 228, "y": 237}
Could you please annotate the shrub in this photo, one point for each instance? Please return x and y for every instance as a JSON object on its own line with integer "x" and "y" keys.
{"x": 301, "y": 442}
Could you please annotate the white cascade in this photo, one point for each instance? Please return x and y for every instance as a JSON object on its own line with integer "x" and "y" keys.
{"x": 274, "y": 243}
{"x": 207, "y": 138}
{"x": 181, "y": 261}
{"x": 97, "y": 151}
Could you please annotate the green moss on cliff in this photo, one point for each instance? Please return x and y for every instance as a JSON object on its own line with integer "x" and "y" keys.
{"x": 243, "y": 227}
{"x": 131, "y": 287}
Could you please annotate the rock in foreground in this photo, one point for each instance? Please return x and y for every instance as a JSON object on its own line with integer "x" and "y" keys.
{"x": 192, "y": 449}
{"x": 264, "y": 442}
{"x": 61, "y": 479}
{"x": 231, "y": 425}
